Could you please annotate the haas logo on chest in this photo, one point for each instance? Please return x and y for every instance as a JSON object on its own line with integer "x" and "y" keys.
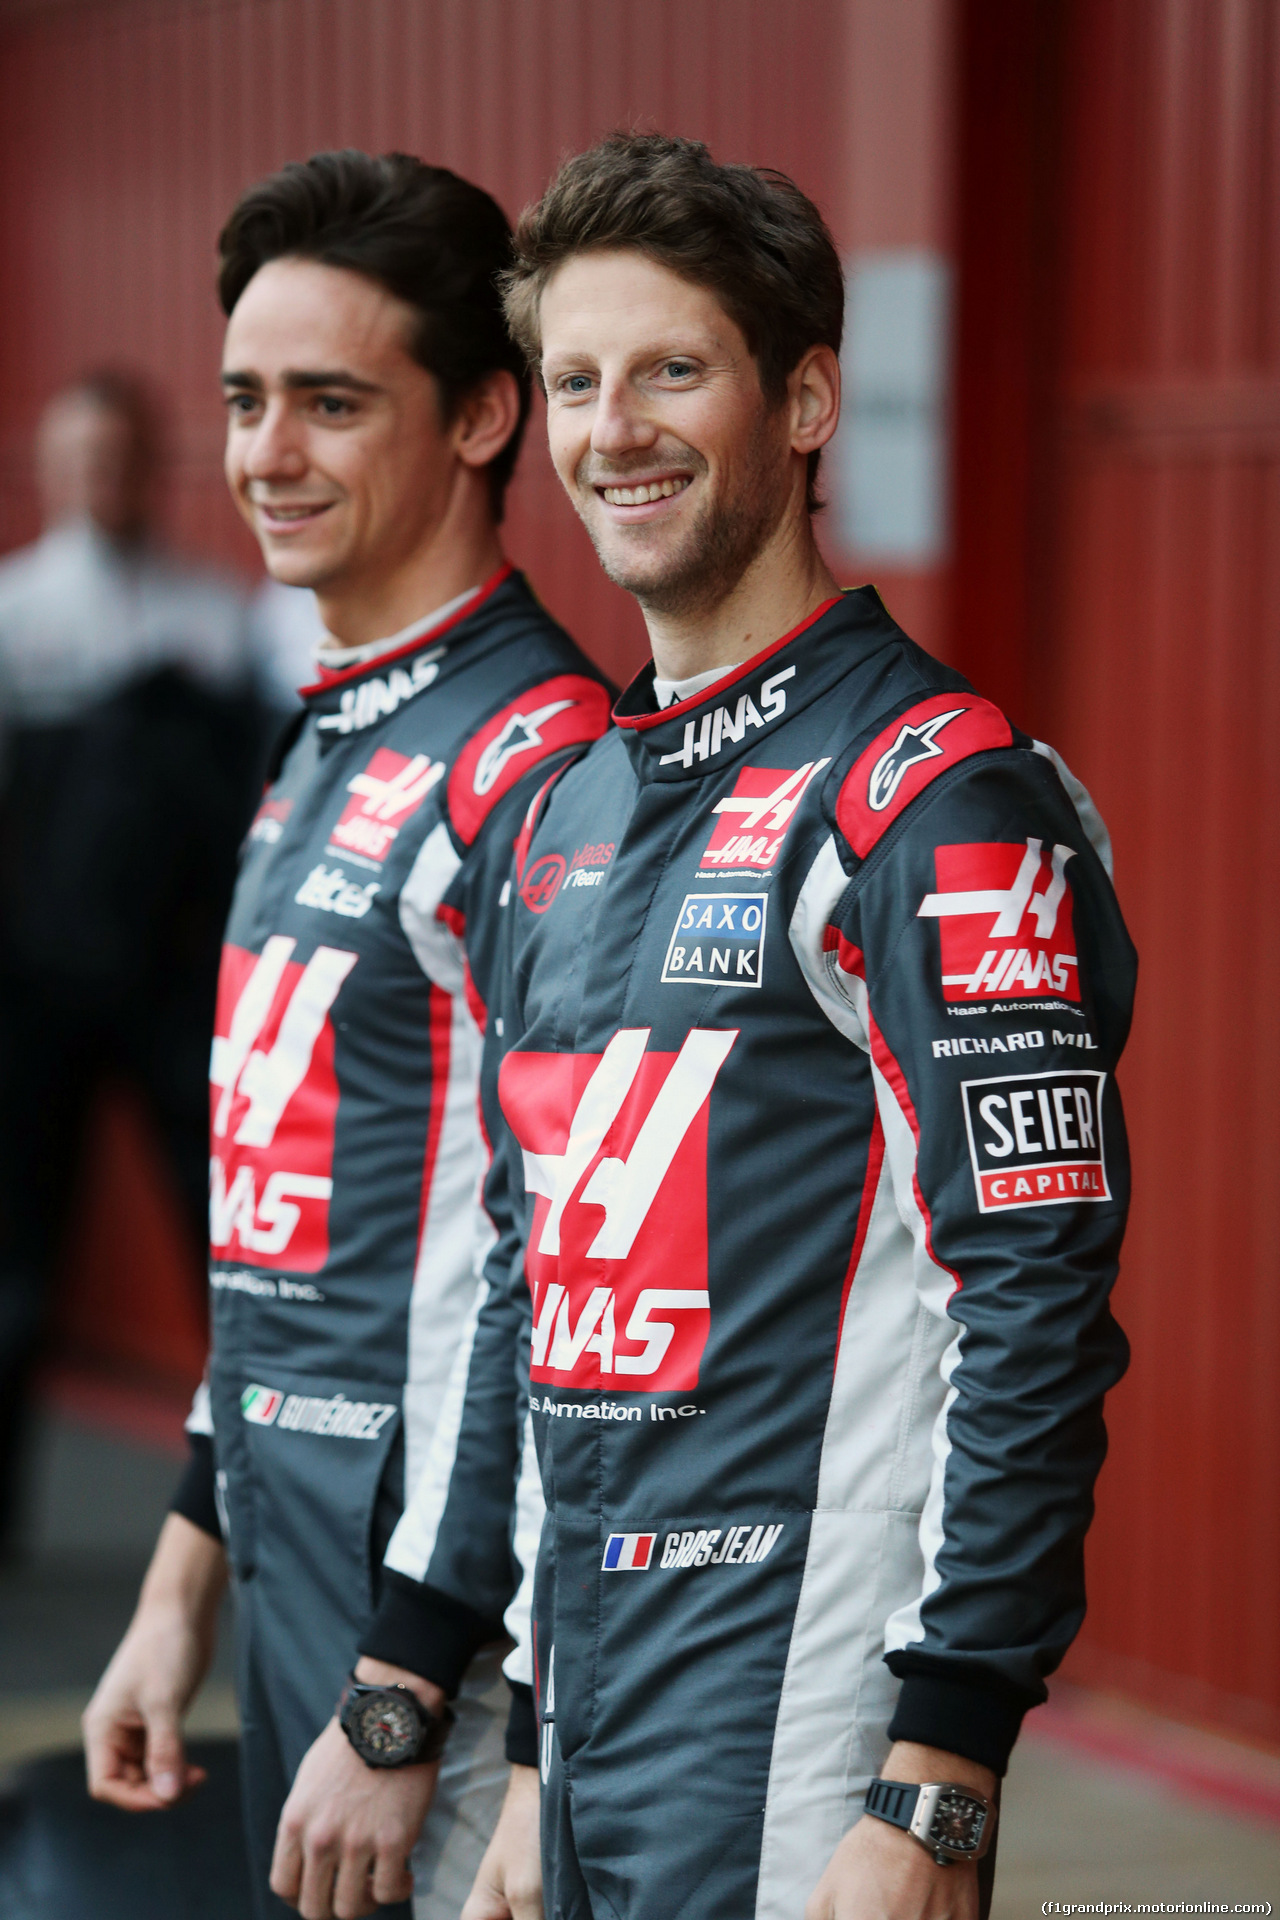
{"x": 615, "y": 1156}
{"x": 274, "y": 1100}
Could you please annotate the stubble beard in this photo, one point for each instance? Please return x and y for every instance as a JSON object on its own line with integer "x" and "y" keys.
{"x": 718, "y": 545}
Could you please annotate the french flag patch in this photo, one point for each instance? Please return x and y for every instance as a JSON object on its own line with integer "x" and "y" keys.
{"x": 627, "y": 1552}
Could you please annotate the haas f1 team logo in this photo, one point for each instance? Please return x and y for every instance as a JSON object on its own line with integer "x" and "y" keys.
{"x": 274, "y": 1102}
{"x": 752, "y": 821}
{"x": 388, "y": 790}
{"x": 1005, "y": 915}
{"x": 615, "y": 1156}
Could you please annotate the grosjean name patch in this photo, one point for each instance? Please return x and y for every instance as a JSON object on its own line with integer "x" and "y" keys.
{"x": 1036, "y": 1140}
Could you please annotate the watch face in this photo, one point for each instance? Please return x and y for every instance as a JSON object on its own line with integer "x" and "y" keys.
{"x": 958, "y": 1822}
{"x": 386, "y": 1727}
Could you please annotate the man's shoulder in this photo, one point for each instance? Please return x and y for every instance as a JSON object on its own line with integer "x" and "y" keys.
{"x": 28, "y": 576}
{"x": 548, "y": 700}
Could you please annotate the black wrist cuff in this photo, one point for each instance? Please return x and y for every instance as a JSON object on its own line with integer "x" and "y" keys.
{"x": 522, "y": 1727}
{"x": 194, "y": 1495}
{"x": 980, "y": 1723}
{"x": 426, "y": 1631}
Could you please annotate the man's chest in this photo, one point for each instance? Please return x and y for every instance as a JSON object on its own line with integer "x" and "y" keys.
{"x": 333, "y": 842}
{"x": 667, "y": 905}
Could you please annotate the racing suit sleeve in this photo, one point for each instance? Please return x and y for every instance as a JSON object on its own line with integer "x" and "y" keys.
{"x": 455, "y": 1563}
{"x": 978, "y": 954}
{"x": 195, "y": 1496}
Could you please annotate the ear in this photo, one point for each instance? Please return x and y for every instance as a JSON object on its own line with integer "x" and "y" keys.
{"x": 813, "y": 392}
{"x": 486, "y": 419}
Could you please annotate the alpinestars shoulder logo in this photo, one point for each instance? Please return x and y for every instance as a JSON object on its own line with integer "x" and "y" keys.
{"x": 912, "y": 745}
{"x": 520, "y": 734}
{"x": 1001, "y": 937}
{"x": 568, "y": 710}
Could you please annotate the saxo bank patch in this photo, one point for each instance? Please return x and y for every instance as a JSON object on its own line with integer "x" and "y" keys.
{"x": 718, "y": 940}
{"x": 1035, "y": 1140}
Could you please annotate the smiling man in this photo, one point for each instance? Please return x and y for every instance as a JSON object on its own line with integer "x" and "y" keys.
{"x": 816, "y": 1157}
{"x": 375, "y": 404}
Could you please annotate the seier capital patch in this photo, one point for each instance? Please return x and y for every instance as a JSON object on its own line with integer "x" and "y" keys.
{"x": 1004, "y": 911}
{"x": 910, "y": 752}
{"x": 565, "y": 711}
{"x": 615, "y": 1160}
{"x": 1036, "y": 1140}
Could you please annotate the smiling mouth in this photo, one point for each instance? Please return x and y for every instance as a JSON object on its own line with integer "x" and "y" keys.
{"x": 291, "y": 516}
{"x": 640, "y": 496}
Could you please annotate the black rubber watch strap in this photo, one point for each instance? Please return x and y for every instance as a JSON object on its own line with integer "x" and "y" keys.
{"x": 894, "y": 1801}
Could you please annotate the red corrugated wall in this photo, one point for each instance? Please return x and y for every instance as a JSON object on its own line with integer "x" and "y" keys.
{"x": 1121, "y": 296}
{"x": 128, "y": 127}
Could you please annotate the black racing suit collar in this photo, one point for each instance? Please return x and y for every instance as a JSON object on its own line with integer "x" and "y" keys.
{"x": 348, "y": 700}
{"x": 330, "y": 677}
{"x": 735, "y": 714}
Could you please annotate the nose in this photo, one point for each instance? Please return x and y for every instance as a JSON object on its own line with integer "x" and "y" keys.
{"x": 276, "y": 449}
{"x": 619, "y": 425}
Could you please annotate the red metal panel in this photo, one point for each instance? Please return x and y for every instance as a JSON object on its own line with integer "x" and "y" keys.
{"x": 1165, "y": 695}
{"x": 128, "y": 127}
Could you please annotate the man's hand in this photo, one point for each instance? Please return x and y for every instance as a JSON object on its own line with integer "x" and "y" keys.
{"x": 509, "y": 1883}
{"x": 133, "y": 1724}
{"x": 347, "y": 1830}
{"x": 880, "y": 1873}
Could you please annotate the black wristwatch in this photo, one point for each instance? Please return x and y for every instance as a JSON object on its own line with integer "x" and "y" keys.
{"x": 954, "y": 1823}
{"x": 389, "y": 1726}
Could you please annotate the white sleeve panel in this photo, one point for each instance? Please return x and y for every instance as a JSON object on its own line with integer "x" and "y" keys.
{"x": 200, "y": 1418}
{"x": 842, "y": 995}
{"x": 438, "y": 950}
{"x": 824, "y": 884}
{"x": 427, "y": 1491}
{"x": 530, "y": 1514}
{"x": 1095, "y": 827}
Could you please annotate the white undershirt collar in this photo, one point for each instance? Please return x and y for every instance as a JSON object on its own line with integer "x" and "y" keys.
{"x": 337, "y": 658}
{"x": 669, "y": 693}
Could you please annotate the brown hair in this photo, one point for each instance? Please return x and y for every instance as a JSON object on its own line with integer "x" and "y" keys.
{"x": 431, "y": 238}
{"x": 747, "y": 234}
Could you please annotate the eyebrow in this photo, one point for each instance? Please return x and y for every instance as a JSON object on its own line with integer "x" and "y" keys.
{"x": 300, "y": 381}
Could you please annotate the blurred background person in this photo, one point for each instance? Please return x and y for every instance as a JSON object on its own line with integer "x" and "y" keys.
{"x": 131, "y": 744}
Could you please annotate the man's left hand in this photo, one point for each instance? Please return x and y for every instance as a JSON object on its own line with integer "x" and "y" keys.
{"x": 878, "y": 1872}
{"x": 347, "y": 1830}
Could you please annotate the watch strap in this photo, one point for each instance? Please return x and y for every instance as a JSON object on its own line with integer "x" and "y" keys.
{"x": 894, "y": 1801}
{"x": 923, "y": 1812}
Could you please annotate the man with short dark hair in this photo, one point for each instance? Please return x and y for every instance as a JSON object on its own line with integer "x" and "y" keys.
{"x": 375, "y": 404}
{"x": 817, "y": 1163}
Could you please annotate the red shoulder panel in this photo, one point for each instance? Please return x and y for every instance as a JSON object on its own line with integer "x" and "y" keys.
{"x": 558, "y": 713}
{"x": 913, "y": 750}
